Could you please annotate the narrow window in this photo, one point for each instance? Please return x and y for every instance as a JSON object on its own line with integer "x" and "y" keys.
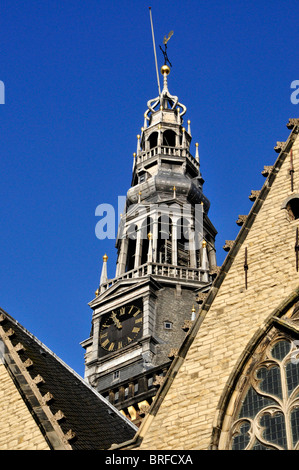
{"x": 292, "y": 208}
{"x": 116, "y": 375}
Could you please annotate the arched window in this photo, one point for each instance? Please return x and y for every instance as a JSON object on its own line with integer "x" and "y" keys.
{"x": 266, "y": 403}
{"x": 153, "y": 140}
{"x": 169, "y": 138}
{"x": 132, "y": 235}
{"x": 292, "y": 206}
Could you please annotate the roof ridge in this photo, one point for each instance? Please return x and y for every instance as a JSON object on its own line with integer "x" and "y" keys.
{"x": 67, "y": 367}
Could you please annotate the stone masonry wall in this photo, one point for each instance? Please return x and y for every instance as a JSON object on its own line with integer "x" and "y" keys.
{"x": 186, "y": 416}
{"x": 18, "y": 430}
{"x": 173, "y": 306}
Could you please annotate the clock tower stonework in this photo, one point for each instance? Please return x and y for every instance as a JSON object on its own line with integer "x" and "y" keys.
{"x": 165, "y": 265}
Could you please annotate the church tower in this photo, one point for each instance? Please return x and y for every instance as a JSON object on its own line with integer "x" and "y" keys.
{"x": 165, "y": 264}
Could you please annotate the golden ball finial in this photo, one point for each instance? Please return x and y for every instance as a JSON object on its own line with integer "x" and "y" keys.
{"x": 193, "y": 309}
{"x": 97, "y": 292}
{"x": 204, "y": 244}
{"x": 149, "y": 236}
{"x": 165, "y": 69}
{"x": 105, "y": 258}
{"x": 196, "y": 145}
{"x": 138, "y": 136}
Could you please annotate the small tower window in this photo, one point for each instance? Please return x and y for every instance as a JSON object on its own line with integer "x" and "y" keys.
{"x": 142, "y": 177}
{"x": 153, "y": 140}
{"x": 291, "y": 205}
{"x": 293, "y": 208}
{"x": 168, "y": 325}
{"x": 116, "y": 375}
{"x": 169, "y": 138}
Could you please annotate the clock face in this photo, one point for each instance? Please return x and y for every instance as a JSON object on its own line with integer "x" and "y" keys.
{"x": 121, "y": 327}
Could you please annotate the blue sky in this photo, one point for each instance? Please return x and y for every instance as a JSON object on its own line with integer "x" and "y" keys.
{"x": 77, "y": 76}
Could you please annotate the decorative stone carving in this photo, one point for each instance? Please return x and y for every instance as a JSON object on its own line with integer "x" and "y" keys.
{"x": 214, "y": 271}
{"x": 10, "y": 332}
{"x": 159, "y": 380}
{"x": 70, "y": 435}
{"x": 173, "y": 353}
{"x": 254, "y": 195}
{"x": 143, "y": 408}
{"x": 38, "y": 380}
{"x": 266, "y": 170}
{"x": 279, "y": 146}
{"x": 292, "y": 123}
{"x": 19, "y": 347}
{"x": 59, "y": 416}
{"x": 241, "y": 220}
{"x": 28, "y": 363}
{"x": 48, "y": 397}
{"x": 228, "y": 244}
{"x": 187, "y": 325}
{"x": 201, "y": 297}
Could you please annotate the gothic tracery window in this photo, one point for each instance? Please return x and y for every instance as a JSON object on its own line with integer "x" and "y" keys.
{"x": 268, "y": 413}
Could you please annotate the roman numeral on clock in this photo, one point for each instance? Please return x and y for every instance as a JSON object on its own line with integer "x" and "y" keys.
{"x": 135, "y": 329}
{"x": 122, "y": 310}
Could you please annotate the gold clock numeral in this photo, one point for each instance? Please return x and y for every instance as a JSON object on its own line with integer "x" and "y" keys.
{"x": 122, "y": 310}
{"x": 131, "y": 309}
{"x": 104, "y": 334}
{"x": 111, "y": 347}
{"x": 136, "y": 313}
{"x": 138, "y": 320}
{"x": 135, "y": 329}
{"x": 120, "y": 344}
{"x": 129, "y": 339}
{"x": 105, "y": 342}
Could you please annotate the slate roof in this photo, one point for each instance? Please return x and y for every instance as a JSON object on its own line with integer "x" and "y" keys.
{"x": 70, "y": 413}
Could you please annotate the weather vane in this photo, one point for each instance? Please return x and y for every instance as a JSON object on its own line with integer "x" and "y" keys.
{"x": 164, "y": 51}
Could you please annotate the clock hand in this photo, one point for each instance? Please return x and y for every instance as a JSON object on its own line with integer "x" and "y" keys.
{"x": 116, "y": 321}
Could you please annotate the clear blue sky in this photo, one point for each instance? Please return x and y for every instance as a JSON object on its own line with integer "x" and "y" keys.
{"x": 77, "y": 78}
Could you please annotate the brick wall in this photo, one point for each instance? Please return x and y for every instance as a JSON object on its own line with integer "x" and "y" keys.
{"x": 186, "y": 415}
{"x": 173, "y": 305}
{"x": 18, "y": 430}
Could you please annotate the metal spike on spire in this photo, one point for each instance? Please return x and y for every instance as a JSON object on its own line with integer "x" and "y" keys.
{"x": 155, "y": 54}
